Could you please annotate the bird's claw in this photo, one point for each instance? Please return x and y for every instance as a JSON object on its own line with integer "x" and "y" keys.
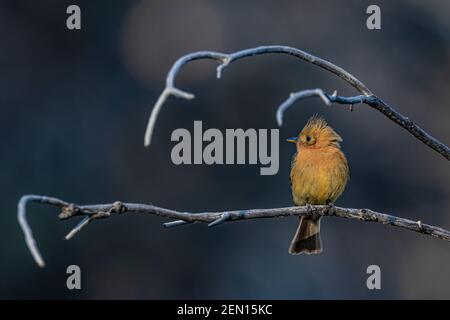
{"x": 331, "y": 207}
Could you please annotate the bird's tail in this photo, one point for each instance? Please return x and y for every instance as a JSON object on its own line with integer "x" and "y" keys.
{"x": 307, "y": 237}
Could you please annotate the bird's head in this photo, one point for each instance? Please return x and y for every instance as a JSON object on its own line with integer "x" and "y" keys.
{"x": 316, "y": 134}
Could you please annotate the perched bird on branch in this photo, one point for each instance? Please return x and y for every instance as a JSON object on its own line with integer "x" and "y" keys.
{"x": 319, "y": 173}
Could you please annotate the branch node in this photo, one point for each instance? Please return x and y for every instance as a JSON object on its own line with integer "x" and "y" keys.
{"x": 181, "y": 94}
{"x": 223, "y": 217}
{"x": 118, "y": 208}
{"x": 362, "y": 214}
{"x": 101, "y": 215}
{"x": 68, "y": 211}
{"x": 324, "y": 97}
{"x": 225, "y": 62}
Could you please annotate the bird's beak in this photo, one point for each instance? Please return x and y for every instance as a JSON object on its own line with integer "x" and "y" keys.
{"x": 293, "y": 139}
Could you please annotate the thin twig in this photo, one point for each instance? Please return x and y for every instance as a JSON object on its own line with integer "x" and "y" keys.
{"x": 83, "y": 223}
{"x": 175, "y": 223}
{"x": 99, "y": 211}
{"x": 366, "y": 97}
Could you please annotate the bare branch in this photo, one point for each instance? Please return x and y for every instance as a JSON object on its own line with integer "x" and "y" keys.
{"x": 225, "y": 60}
{"x": 367, "y": 96}
{"x": 374, "y": 102}
{"x": 99, "y": 211}
{"x": 325, "y": 97}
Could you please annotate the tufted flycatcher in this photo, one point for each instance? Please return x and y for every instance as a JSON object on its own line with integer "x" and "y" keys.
{"x": 319, "y": 173}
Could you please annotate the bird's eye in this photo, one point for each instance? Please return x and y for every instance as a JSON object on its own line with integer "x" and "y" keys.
{"x": 308, "y": 138}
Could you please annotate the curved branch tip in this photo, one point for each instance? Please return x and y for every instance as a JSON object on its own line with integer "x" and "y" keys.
{"x": 28, "y": 233}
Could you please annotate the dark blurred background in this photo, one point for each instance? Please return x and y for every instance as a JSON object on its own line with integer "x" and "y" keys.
{"x": 74, "y": 109}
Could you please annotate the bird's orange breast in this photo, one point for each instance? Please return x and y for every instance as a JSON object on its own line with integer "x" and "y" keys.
{"x": 318, "y": 176}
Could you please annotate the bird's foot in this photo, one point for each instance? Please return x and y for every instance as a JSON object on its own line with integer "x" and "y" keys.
{"x": 309, "y": 209}
{"x": 331, "y": 207}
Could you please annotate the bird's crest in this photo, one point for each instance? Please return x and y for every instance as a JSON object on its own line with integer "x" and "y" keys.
{"x": 323, "y": 133}
{"x": 315, "y": 123}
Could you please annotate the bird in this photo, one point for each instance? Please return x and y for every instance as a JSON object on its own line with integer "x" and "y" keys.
{"x": 318, "y": 176}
